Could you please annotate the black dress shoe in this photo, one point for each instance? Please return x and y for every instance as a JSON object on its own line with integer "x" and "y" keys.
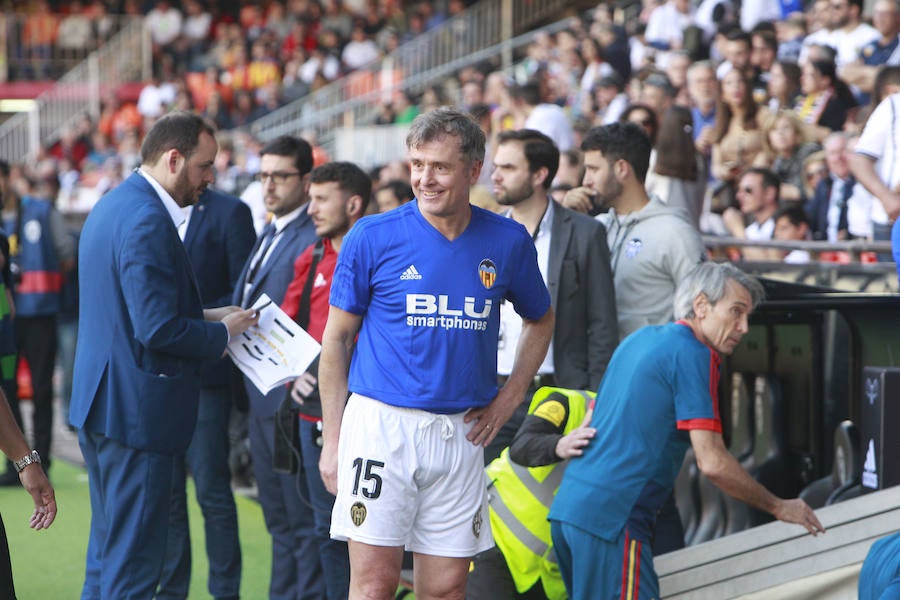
{"x": 9, "y": 479}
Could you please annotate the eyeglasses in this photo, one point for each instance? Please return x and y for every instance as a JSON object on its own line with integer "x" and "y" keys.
{"x": 816, "y": 173}
{"x": 279, "y": 177}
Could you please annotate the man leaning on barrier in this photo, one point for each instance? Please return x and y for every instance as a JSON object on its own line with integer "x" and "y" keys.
{"x": 659, "y": 394}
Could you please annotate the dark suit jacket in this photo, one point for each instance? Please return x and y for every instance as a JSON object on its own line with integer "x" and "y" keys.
{"x": 142, "y": 337}
{"x": 583, "y": 298}
{"x": 272, "y": 279}
{"x": 817, "y": 208}
{"x": 218, "y": 240}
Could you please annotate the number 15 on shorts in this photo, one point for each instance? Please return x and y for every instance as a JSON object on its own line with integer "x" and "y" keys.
{"x": 366, "y": 473}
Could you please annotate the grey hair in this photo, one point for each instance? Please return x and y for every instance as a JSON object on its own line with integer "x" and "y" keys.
{"x": 709, "y": 279}
{"x": 448, "y": 121}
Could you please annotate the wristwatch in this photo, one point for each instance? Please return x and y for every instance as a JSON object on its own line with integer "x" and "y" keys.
{"x": 32, "y": 457}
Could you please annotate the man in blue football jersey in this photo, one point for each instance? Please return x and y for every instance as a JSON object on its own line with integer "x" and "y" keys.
{"x": 421, "y": 285}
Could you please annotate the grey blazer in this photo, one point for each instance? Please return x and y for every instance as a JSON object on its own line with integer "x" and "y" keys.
{"x": 584, "y": 301}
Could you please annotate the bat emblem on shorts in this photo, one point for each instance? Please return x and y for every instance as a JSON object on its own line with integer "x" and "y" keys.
{"x": 358, "y": 513}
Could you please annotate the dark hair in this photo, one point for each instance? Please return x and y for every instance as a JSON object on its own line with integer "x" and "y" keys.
{"x": 791, "y": 72}
{"x": 768, "y": 38}
{"x": 887, "y": 75}
{"x": 574, "y": 157}
{"x": 828, "y": 68}
{"x": 769, "y": 179}
{"x": 739, "y": 35}
{"x": 401, "y": 190}
{"x": 4, "y": 168}
{"x": 653, "y": 122}
{"x": 529, "y": 93}
{"x": 596, "y": 46}
{"x": 767, "y": 26}
{"x": 448, "y": 121}
{"x": 857, "y": 3}
{"x": 539, "y": 150}
{"x": 676, "y": 155}
{"x": 795, "y": 214}
{"x": 825, "y": 68}
{"x": 349, "y": 177}
{"x": 623, "y": 140}
{"x": 724, "y": 114}
{"x": 294, "y": 147}
{"x": 179, "y": 131}
{"x": 479, "y": 110}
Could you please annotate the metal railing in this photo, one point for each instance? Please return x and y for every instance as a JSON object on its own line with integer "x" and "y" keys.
{"x": 124, "y": 58}
{"x": 852, "y": 274}
{"x": 484, "y": 31}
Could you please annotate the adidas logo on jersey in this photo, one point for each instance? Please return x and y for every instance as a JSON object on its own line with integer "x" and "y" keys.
{"x": 410, "y": 273}
{"x": 320, "y": 280}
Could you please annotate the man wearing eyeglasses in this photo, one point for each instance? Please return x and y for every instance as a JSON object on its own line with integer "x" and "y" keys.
{"x": 285, "y": 163}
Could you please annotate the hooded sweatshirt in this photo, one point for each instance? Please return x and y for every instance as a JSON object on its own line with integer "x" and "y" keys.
{"x": 651, "y": 250}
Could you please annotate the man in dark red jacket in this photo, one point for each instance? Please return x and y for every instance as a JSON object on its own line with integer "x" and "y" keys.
{"x": 339, "y": 193}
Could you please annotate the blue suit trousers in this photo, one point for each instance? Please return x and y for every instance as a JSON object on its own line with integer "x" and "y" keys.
{"x": 333, "y": 554}
{"x": 130, "y": 491}
{"x": 296, "y": 569}
{"x": 207, "y": 458}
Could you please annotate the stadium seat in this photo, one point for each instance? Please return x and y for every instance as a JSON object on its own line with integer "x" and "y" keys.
{"x": 845, "y": 470}
{"x": 741, "y": 446}
{"x": 687, "y": 496}
{"x": 713, "y": 512}
{"x": 772, "y": 466}
{"x": 741, "y": 416}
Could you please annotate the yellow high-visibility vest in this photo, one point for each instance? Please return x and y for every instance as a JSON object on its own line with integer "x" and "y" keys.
{"x": 520, "y": 499}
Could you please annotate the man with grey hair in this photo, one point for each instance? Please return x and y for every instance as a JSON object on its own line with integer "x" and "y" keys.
{"x": 419, "y": 288}
{"x": 658, "y": 396}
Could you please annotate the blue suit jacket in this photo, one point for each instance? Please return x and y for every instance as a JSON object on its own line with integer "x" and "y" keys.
{"x": 218, "y": 240}
{"x": 817, "y": 208}
{"x": 272, "y": 279}
{"x": 142, "y": 337}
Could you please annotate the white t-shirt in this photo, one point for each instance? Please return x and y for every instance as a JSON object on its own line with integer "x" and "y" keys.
{"x": 878, "y": 141}
{"x": 847, "y": 43}
{"x": 760, "y": 231}
{"x": 666, "y": 24}
{"x": 511, "y": 322}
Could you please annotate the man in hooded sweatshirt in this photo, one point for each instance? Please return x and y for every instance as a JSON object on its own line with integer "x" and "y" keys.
{"x": 652, "y": 248}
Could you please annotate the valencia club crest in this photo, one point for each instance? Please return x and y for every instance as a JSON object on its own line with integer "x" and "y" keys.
{"x": 487, "y": 272}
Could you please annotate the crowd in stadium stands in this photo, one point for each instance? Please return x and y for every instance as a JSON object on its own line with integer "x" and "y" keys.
{"x": 776, "y": 87}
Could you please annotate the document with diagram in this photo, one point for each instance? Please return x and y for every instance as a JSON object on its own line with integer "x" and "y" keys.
{"x": 275, "y": 351}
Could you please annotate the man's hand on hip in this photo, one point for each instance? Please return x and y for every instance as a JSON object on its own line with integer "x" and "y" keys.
{"x": 489, "y": 419}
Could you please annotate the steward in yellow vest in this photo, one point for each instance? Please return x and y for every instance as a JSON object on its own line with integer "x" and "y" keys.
{"x": 523, "y": 565}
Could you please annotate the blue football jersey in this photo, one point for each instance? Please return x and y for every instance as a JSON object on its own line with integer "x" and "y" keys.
{"x": 431, "y": 306}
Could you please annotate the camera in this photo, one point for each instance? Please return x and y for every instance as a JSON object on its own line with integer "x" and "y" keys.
{"x": 286, "y": 450}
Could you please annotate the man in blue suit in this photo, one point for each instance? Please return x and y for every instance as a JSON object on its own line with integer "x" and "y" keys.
{"x": 284, "y": 169}
{"x": 827, "y": 209}
{"x": 218, "y": 237}
{"x": 142, "y": 338}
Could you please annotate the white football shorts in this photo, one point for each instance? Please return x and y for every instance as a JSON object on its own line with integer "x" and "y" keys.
{"x": 408, "y": 477}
